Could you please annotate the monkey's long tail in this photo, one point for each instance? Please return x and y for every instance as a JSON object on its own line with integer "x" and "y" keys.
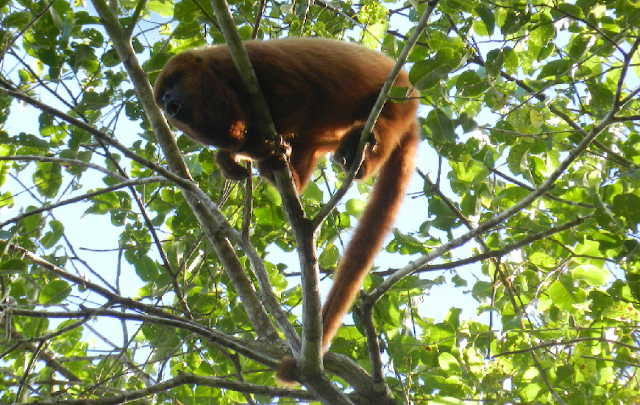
{"x": 375, "y": 224}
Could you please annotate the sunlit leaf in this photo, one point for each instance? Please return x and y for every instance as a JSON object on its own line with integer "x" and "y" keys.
{"x": 54, "y": 292}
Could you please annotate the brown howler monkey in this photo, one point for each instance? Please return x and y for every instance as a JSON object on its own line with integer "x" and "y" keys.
{"x": 320, "y": 93}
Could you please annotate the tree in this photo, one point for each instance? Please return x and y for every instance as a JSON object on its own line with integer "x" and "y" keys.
{"x": 531, "y": 108}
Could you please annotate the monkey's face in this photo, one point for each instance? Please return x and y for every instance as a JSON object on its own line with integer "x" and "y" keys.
{"x": 197, "y": 102}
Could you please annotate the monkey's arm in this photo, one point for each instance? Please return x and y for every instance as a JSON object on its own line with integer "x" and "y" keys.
{"x": 267, "y": 160}
{"x": 231, "y": 170}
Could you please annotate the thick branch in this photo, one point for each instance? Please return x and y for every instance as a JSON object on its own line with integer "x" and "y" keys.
{"x": 311, "y": 347}
{"x": 208, "y": 219}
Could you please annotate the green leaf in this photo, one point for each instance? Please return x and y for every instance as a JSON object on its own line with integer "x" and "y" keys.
{"x": 602, "y": 95}
{"x": 440, "y": 41}
{"x": 54, "y": 292}
{"x": 104, "y": 203}
{"x": 17, "y": 20}
{"x": 32, "y": 141}
{"x": 515, "y": 19}
{"x": 51, "y": 238}
{"x": 448, "y": 363}
{"x": 12, "y": 266}
{"x": 542, "y": 259}
{"x": 486, "y": 15}
{"x": 578, "y": 46}
{"x": 469, "y": 173}
{"x": 187, "y": 30}
{"x": 572, "y": 9}
{"x": 267, "y": 217}
{"x": 495, "y": 61}
{"x": 444, "y": 218}
{"x": 446, "y": 401}
{"x": 164, "y": 8}
{"x": 469, "y": 84}
{"x": 428, "y": 73}
{"x": 389, "y": 311}
{"x": 636, "y": 63}
{"x": 518, "y": 158}
{"x": 564, "y": 294}
{"x": 146, "y": 269}
{"x": 329, "y": 257}
{"x": 555, "y": 68}
{"x": 185, "y": 11}
{"x": 530, "y": 392}
{"x": 356, "y": 207}
{"x": 94, "y": 101}
{"x": 399, "y": 94}
{"x": 545, "y": 32}
{"x": 459, "y": 281}
{"x": 453, "y": 317}
{"x": 48, "y": 178}
{"x": 156, "y": 62}
{"x": 442, "y": 334}
{"x": 313, "y": 193}
{"x": 511, "y": 59}
{"x": 273, "y": 196}
{"x": 441, "y": 126}
{"x": 591, "y": 274}
{"x": 627, "y": 206}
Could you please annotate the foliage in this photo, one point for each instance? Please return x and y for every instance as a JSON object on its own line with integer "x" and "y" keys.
{"x": 531, "y": 109}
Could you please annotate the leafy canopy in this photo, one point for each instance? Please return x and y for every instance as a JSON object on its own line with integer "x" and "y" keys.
{"x": 121, "y": 281}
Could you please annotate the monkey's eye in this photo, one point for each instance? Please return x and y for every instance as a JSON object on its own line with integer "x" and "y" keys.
{"x": 173, "y": 79}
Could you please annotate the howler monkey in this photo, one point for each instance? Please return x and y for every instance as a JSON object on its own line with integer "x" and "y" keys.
{"x": 320, "y": 93}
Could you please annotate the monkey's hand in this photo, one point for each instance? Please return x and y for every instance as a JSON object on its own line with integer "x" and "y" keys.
{"x": 272, "y": 163}
{"x": 231, "y": 169}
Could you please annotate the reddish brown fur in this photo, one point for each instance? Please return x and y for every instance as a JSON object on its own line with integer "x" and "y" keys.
{"x": 320, "y": 93}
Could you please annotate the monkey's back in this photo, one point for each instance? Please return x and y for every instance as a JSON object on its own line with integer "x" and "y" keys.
{"x": 297, "y": 75}
{"x": 317, "y": 60}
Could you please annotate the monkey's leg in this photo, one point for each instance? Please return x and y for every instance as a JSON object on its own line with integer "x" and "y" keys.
{"x": 303, "y": 163}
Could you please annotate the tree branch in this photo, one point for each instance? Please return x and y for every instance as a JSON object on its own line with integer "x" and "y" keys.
{"x": 373, "y": 116}
{"x": 157, "y": 315}
{"x": 184, "y": 379}
{"x": 210, "y": 219}
{"x": 311, "y": 347}
{"x": 124, "y": 184}
{"x": 63, "y": 161}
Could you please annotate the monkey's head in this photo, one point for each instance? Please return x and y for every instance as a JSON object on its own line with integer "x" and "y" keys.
{"x": 196, "y": 101}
